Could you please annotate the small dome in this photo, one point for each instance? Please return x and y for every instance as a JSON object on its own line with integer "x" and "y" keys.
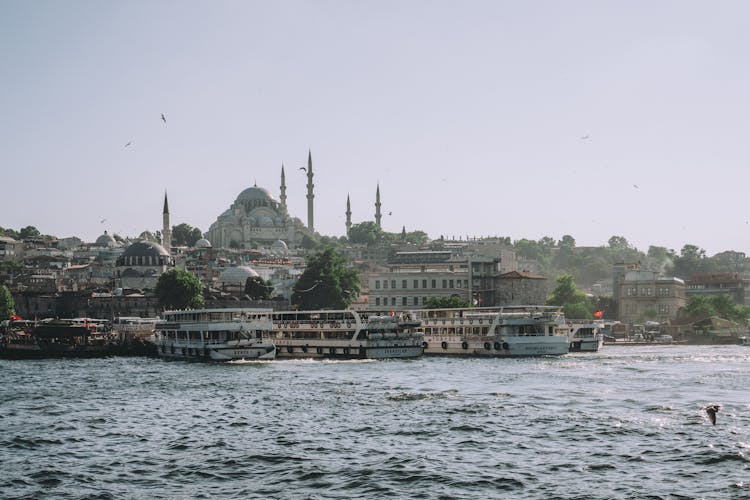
{"x": 203, "y": 243}
{"x": 237, "y": 275}
{"x": 147, "y": 235}
{"x": 255, "y": 193}
{"x": 279, "y": 246}
{"x": 106, "y": 240}
{"x": 145, "y": 248}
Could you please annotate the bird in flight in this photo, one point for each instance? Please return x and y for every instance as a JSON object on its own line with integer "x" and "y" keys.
{"x": 584, "y": 137}
{"x": 390, "y": 213}
{"x": 129, "y": 143}
{"x": 164, "y": 118}
{"x": 712, "y": 410}
{"x": 102, "y": 221}
{"x": 635, "y": 186}
{"x": 303, "y": 168}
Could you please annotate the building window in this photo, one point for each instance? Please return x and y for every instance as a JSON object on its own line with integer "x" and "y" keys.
{"x": 385, "y": 283}
{"x": 424, "y": 300}
{"x": 403, "y": 301}
{"x": 445, "y": 283}
{"x": 393, "y": 284}
{"x": 416, "y": 301}
{"x": 434, "y": 283}
{"x": 377, "y": 284}
{"x": 403, "y": 284}
{"x": 416, "y": 283}
{"x": 424, "y": 283}
{"x": 393, "y": 301}
{"x": 377, "y": 301}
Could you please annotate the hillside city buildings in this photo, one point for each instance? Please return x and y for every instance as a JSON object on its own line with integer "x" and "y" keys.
{"x": 257, "y": 236}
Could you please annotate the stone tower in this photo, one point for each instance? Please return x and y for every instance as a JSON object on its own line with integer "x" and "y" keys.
{"x": 310, "y": 195}
{"x": 348, "y": 216}
{"x": 166, "y": 231}
{"x": 378, "y": 216}
{"x": 282, "y": 197}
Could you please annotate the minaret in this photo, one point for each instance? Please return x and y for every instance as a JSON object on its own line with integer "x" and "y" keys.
{"x": 310, "y": 195}
{"x": 283, "y": 187}
{"x": 348, "y": 215}
{"x": 377, "y": 206}
{"x": 166, "y": 231}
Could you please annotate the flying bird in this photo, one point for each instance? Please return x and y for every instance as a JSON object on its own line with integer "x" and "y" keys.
{"x": 303, "y": 168}
{"x": 129, "y": 143}
{"x": 584, "y": 137}
{"x": 390, "y": 213}
{"x": 163, "y": 118}
{"x": 712, "y": 410}
{"x": 102, "y": 221}
{"x": 635, "y": 186}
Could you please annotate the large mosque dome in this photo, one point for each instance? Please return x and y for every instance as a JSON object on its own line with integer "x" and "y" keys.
{"x": 255, "y": 193}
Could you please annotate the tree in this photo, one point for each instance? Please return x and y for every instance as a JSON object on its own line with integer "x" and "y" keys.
{"x": 692, "y": 260}
{"x": 179, "y": 289}
{"x": 10, "y": 233}
{"x": 567, "y": 241}
{"x": 366, "y": 233}
{"x": 574, "y": 302}
{"x": 327, "y": 283}
{"x": 28, "y": 232}
{"x": 185, "y": 235}
{"x": 452, "y": 302}
{"x": 7, "y": 306}
{"x": 258, "y": 289}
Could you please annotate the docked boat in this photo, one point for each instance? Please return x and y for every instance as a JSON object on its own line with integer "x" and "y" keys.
{"x": 521, "y": 331}
{"x": 67, "y": 338}
{"x": 215, "y": 335}
{"x": 586, "y": 337}
{"x": 344, "y": 334}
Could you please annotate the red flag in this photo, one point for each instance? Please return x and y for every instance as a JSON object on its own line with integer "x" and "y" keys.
{"x": 15, "y": 317}
{"x": 598, "y": 314}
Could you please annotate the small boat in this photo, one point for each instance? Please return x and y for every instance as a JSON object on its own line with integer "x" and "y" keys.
{"x": 517, "y": 331}
{"x": 67, "y": 338}
{"x": 214, "y": 335}
{"x": 344, "y": 334}
{"x": 586, "y": 337}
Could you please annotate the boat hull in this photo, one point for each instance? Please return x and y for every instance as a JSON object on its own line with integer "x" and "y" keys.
{"x": 220, "y": 353}
{"x": 497, "y": 347}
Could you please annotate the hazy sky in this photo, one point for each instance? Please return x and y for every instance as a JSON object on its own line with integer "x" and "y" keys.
{"x": 471, "y": 115}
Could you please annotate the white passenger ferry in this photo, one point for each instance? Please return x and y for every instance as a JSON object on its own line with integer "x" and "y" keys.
{"x": 586, "y": 337}
{"x": 344, "y": 334}
{"x": 214, "y": 334}
{"x": 498, "y": 332}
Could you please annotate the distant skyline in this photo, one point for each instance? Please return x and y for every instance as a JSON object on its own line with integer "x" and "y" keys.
{"x": 519, "y": 119}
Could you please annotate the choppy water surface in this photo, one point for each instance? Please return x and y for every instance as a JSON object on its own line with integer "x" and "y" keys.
{"x": 623, "y": 423}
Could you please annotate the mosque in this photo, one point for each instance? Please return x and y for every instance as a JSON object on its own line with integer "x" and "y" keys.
{"x": 257, "y": 217}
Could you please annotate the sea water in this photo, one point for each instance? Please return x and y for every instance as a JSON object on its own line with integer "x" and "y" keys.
{"x": 626, "y": 422}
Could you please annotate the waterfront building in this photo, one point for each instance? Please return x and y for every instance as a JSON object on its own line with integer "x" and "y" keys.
{"x": 733, "y": 284}
{"x": 10, "y": 249}
{"x": 521, "y": 288}
{"x": 647, "y": 295}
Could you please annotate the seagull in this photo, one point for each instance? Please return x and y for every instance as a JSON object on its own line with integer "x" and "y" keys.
{"x": 390, "y": 213}
{"x": 102, "y": 221}
{"x": 584, "y": 137}
{"x": 129, "y": 143}
{"x": 712, "y": 410}
{"x": 163, "y": 118}
{"x": 303, "y": 168}
{"x": 635, "y": 186}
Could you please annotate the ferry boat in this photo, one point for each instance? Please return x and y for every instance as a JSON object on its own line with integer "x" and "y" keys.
{"x": 134, "y": 326}
{"x": 214, "y": 334}
{"x": 517, "y": 331}
{"x": 66, "y": 338}
{"x": 586, "y": 337}
{"x": 344, "y": 334}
